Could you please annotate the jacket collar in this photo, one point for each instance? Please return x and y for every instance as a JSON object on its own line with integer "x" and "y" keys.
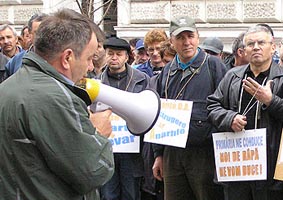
{"x": 137, "y": 77}
{"x": 34, "y": 60}
{"x": 275, "y": 71}
{"x": 195, "y": 64}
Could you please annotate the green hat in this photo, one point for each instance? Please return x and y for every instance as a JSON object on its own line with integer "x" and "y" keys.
{"x": 182, "y": 23}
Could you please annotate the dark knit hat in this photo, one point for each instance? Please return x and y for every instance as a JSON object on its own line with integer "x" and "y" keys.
{"x": 117, "y": 43}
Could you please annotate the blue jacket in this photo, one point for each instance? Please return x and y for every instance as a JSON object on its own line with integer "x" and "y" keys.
{"x": 146, "y": 68}
{"x": 15, "y": 63}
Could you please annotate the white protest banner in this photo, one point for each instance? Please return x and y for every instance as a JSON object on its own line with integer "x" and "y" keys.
{"x": 240, "y": 156}
{"x": 122, "y": 140}
{"x": 172, "y": 125}
{"x": 279, "y": 165}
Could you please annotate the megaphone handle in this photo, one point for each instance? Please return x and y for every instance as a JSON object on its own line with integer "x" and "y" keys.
{"x": 98, "y": 107}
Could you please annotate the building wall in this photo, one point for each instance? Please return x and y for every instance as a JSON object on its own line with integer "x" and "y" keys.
{"x": 18, "y": 12}
{"x": 225, "y": 19}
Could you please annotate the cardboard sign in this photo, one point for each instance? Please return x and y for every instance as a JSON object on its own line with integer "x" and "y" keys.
{"x": 279, "y": 165}
{"x": 122, "y": 140}
{"x": 240, "y": 156}
{"x": 172, "y": 126}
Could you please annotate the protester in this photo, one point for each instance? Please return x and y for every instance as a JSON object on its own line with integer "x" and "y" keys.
{"x": 25, "y": 35}
{"x": 99, "y": 59}
{"x": 125, "y": 183}
{"x": 15, "y": 63}
{"x": 152, "y": 188}
{"x": 8, "y": 41}
{"x": 239, "y": 56}
{"x": 260, "y": 83}
{"x": 140, "y": 53}
{"x": 167, "y": 53}
{"x": 49, "y": 147}
{"x": 213, "y": 46}
{"x": 152, "y": 41}
{"x": 192, "y": 76}
{"x": 132, "y": 43}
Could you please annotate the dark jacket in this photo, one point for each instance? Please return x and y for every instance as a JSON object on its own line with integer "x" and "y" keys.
{"x": 210, "y": 72}
{"x": 139, "y": 82}
{"x": 49, "y": 149}
{"x": 229, "y": 61}
{"x": 223, "y": 106}
{"x": 3, "y": 62}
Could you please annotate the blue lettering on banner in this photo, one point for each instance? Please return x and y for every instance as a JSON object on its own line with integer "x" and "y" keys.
{"x": 225, "y": 144}
{"x": 119, "y": 128}
{"x": 169, "y": 133}
{"x": 122, "y": 140}
{"x": 253, "y": 141}
{"x": 172, "y": 120}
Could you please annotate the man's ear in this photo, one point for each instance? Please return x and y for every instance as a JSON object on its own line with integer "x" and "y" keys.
{"x": 240, "y": 52}
{"x": 66, "y": 58}
{"x": 127, "y": 56}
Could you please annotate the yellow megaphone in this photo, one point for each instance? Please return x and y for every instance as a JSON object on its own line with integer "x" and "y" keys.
{"x": 139, "y": 110}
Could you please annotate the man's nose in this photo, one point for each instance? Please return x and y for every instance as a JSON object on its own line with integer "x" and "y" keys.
{"x": 256, "y": 46}
{"x": 90, "y": 67}
{"x": 114, "y": 57}
{"x": 6, "y": 40}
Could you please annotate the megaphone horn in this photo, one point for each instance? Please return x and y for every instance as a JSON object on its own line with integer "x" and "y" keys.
{"x": 139, "y": 110}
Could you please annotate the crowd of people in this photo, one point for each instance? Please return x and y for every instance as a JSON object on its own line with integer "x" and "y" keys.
{"x": 54, "y": 147}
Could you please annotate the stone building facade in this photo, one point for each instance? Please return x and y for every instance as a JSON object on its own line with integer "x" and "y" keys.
{"x": 224, "y": 19}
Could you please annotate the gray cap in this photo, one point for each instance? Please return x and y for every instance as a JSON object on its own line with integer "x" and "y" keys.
{"x": 182, "y": 23}
{"x": 213, "y": 44}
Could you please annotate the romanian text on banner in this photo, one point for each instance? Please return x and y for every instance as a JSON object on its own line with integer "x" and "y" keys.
{"x": 240, "y": 156}
{"x": 122, "y": 140}
{"x": 172, "y": 126}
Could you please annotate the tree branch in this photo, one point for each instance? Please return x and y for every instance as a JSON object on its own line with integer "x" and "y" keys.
{"x": 106, "y": 11}
{"x": 79, "y": 5}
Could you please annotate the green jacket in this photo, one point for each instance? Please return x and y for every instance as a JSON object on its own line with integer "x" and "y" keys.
{"x": 49, "y": 149}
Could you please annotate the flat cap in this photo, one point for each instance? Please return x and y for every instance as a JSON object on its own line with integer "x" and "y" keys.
{"x": 117, "y": 43}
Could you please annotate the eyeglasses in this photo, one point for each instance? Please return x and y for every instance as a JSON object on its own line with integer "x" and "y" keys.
{"x": 260, "y": 43}
{"x": 151, "y": 50}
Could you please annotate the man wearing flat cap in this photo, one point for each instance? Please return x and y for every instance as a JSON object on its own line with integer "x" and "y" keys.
{"x": 125, "y": 183}
{"x": 191, "y": 76}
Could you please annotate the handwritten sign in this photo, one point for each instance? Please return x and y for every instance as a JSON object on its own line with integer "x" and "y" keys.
{"x": 279, "y": 165}
{"x": 240, "y": 156}
{"x": 172, "y": 125}
{"x": 121, "y": 139}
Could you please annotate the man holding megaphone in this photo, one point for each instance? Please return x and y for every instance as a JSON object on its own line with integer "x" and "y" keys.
{"x": 125, "y": 183}
{"x": 49, "y": 149}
